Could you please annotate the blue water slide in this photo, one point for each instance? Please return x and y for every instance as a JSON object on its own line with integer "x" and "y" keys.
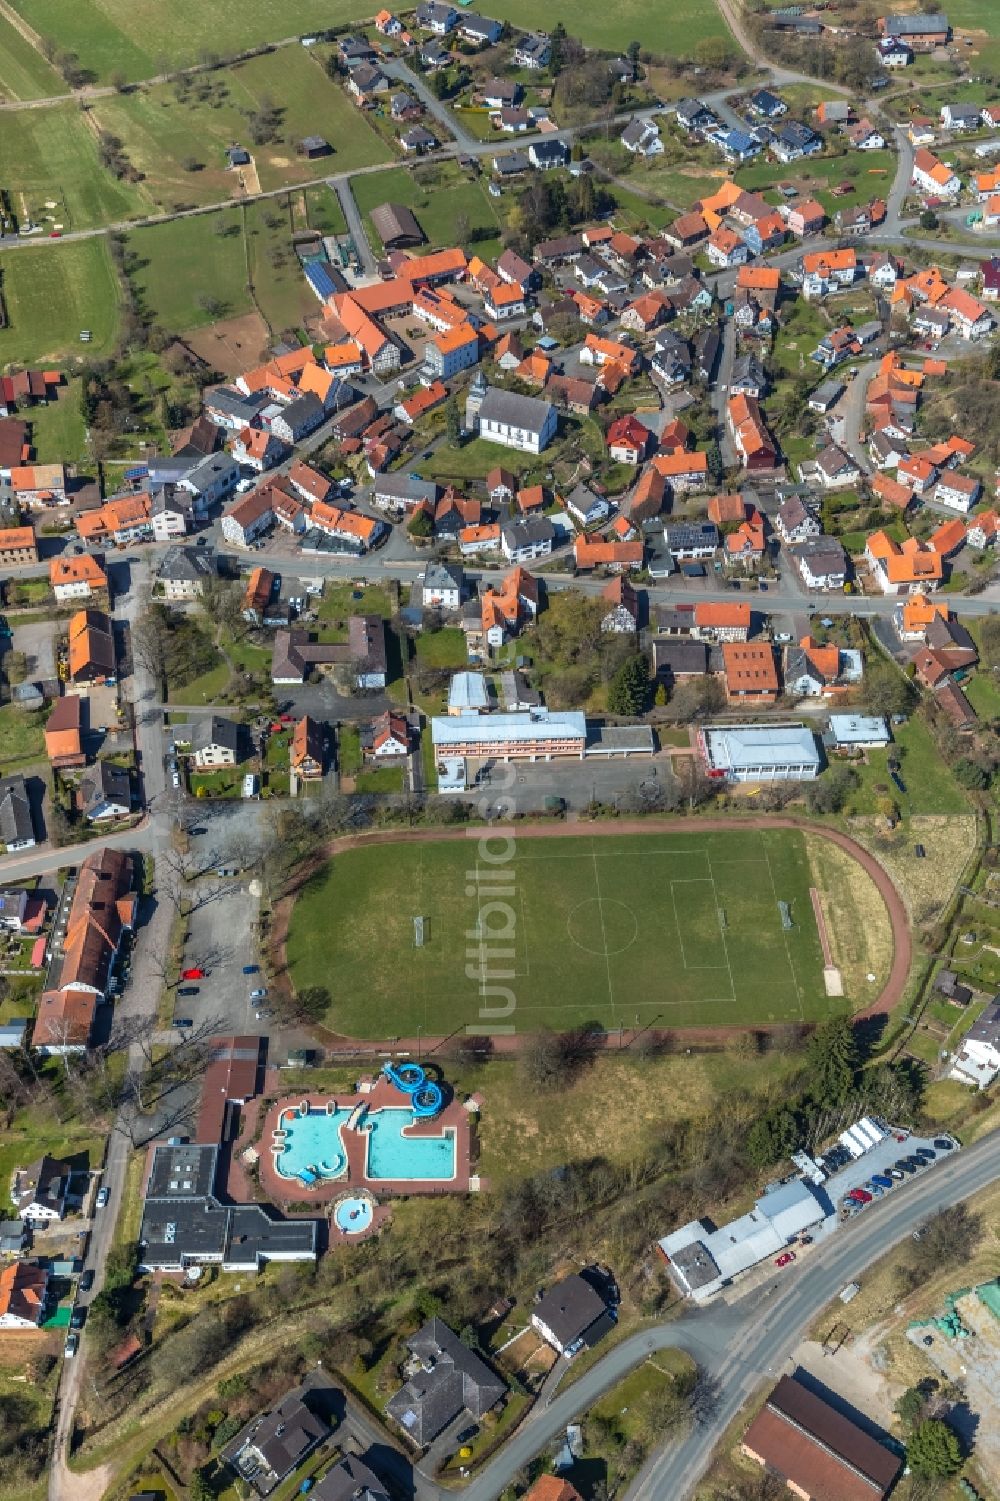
{"x": 425, "y": 1095}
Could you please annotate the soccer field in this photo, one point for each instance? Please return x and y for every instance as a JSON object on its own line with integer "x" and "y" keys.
{"x": 673, "y": 929}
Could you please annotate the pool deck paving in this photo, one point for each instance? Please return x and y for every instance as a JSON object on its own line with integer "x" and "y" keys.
{"x": 382, "y": 1095}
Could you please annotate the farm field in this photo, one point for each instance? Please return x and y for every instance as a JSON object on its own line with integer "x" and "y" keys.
{"x": 193, "y": 271}
{"x": 142, "y": 38}
{"x": 439, "y": 195}
{"x": 188, "y": 260}
{"x": 982, "y": 17}
{"x": 675, "y": 929}
{"x": 50, "y": 156}
{"x": 51, "y": 292}
{"x": 178, "y": 134}
{"x": 24, "y": 73}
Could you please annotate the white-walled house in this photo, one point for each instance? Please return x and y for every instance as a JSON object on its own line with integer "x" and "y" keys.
{"x": 977, "y": 1061}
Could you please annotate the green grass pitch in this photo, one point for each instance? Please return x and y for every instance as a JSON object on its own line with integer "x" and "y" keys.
{"x": 676, "y": 930}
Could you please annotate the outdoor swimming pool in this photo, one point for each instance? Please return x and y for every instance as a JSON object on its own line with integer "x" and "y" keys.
{"x": 352, "y": 1216}
{"x": 393, "y": 1155}
{"x": 313, "y": 1148}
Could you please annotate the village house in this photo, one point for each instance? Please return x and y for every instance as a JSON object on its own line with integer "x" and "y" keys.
{"x": 750, "y": 672}
{"x": 907, "y": 568}
{"x": 77, "y": 578}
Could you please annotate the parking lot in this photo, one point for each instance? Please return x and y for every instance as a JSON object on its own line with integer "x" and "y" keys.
{"x": 221, "y": 942}
{"x": 625, "y": 783}
{"x": 37, "y": 640}
{"x": 881, "y": 1158}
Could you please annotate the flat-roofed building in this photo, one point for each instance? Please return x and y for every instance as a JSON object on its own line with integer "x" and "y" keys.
{"x": 536, "y": 736}
{"x": 760, "y": 753}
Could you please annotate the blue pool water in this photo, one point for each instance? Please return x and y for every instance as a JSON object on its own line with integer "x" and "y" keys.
{"x": 313, "y": 1145}
{"x": 353, "y": 1215}
{"x": 393, "y": 1155}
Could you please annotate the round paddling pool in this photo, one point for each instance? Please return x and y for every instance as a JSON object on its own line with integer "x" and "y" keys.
{"x": 352, "y": 1216}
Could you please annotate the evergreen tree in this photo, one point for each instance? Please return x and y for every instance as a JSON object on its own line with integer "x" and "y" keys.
{"x": 629, "y": 686}
{"x": 833, "y": 1060}
{"x": 934, "y": 1449}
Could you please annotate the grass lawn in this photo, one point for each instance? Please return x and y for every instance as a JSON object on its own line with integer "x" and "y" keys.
{"x": 24, "y": 73}
{"x": 58, "y": 431}
{"x": 444, "y": 648}
{"x": 664, "y": 954}
{"x": 51, "y": 292}
{"x": 380, "y": 779}
{"x": 50, "y": 156}
{"x": 162, "y": 131}
{"x": 323, "y": 211}
{"x": 225, "y": 781}
{"x": 439, "y": 194}
{"x": 798, "y": 336}
{"x": 201, "y": 689}
{"x": 871, "y": 172}
{"x": 21, "y": 738}
{"x": 930, "y": 786}
{"x": 348, "y": 750}
{"x": 191, "y": 259}
{"x": 983, "y": 692}
{"x": 979, "y": 16}
{"x": 474, "y": 460}
{"x": 341, "y": 600}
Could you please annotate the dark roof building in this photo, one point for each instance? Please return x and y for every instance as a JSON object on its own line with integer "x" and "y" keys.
{"x": 817, "y": 1452}
{"x": 185, "y": 1224}
{"x": 17, "y": 828}
{"x": 273, "y": 1445}
{"x": 445, "y": 1379}
{"x": 395, "y": 226}
{"x": 350, "y": 1480}
{"x": 571, "y": 1314}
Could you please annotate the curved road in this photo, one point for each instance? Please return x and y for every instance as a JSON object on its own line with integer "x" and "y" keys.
{"x": 742, "y": 1342}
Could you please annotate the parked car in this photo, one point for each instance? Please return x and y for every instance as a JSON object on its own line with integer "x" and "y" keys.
{"x": 71, "y": 1346}
{"x": 785, "y": 1259}
{"x": 926, "y": 1154}
{"x": 894, "y": 1172}
{"x": 86, "y": 1280}
{"x": 882, "y": 1180}
{"x": 192, "y": 974}
{"x": 258, "y": 995}
{"x": 182, "y": 1021}
{"x": 78, "y": 1318}
{"x": 250, "y": 969}
{"x": 904, "y": 1165}
{"x": 861, "y": 1195}
{"x": 187, "y": 990}
{"x": 943, "y": 1144}
{"x": 102, "y": 1198}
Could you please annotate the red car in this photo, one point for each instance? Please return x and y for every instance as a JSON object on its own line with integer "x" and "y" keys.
{"x": 785, "y": 1259}
{"x": 192, "y": 974}
{"x": 55, "y": 234}
{"x": 287, "y": 719}
{"x": 860, "y": 1196}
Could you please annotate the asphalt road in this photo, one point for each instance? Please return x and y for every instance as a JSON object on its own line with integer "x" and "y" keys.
{"x": 747, "y": 1340}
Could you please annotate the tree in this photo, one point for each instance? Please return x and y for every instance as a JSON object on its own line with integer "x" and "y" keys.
{"x": 833, "y": 1060}
{"x": 453, "y": 419}
{"x": 970, "y": 774}
{"x": 829, "y": 793}
{"x": 949, "y": 1238}
{"x": 934, "y": 1449}
{"x": 911, "y": 1408}
{"x": 774, "y": 1137}
{"x": 629, "y": 686}
{"x": 888, "y": 692}
{"x": 928, "y": 219}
